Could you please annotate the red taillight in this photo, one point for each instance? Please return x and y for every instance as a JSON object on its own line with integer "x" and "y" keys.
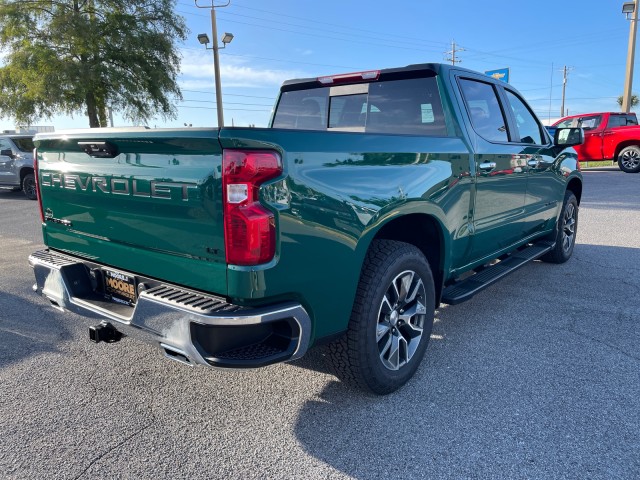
{"x": 249, "y": 228}
{"x": 35, "y": 177}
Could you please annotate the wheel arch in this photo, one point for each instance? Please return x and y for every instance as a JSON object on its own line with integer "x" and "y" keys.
{"x": 623, "y": 145}
{"x": 575, "y": 186}
{"x": 24, "y": 171}
{"x": 425, "y": 232}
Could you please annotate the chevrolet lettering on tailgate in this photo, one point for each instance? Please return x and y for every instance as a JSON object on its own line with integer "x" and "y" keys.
{"x": 117, "y": 186}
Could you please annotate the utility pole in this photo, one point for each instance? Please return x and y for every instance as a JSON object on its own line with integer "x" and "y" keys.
{"x": 454, "y": 49}
{"x": 565, "y": 71}
{"x": 628, "y": 79}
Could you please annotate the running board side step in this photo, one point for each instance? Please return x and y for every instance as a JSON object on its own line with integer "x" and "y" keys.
{"x": 465, "y": 289}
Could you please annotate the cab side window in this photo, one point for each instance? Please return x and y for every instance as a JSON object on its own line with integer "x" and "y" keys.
{"x": 621, "y": 121}
{"x": 4, "y": 144}
{"x": 529, "y": 130}
{"x": 484, "y": 110}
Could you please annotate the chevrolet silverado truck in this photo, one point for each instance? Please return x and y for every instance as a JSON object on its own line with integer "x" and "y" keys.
{"x": 16, "y": 164}
{"x": 370, "y": 199}
{"x": 608, "y": 136}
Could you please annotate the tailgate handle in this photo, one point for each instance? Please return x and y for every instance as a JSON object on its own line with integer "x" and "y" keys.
{"x": 99, "y": 149}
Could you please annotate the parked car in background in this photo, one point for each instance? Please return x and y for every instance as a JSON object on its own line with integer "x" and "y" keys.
{"x": 16, "y": 164}
{"x": 608, "y": 136}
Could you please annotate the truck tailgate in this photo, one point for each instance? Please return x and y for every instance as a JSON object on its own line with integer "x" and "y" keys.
{"x": 144, "y": 201}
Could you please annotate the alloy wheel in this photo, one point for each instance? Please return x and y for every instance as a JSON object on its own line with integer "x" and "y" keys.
{"x": 569, "y": 227}
{"x": 29, "y": 187}
{"x": 631, "y": 159}
{"x": 401, "y": 319}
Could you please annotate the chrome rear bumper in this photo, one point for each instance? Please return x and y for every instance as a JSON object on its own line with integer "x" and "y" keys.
{"x": 189, "y": 326}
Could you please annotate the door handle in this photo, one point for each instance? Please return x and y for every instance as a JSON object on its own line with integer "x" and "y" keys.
{"x": 538, "y": 162}
{"x": 533, "y": 163}
{"x": 486, "y": 166}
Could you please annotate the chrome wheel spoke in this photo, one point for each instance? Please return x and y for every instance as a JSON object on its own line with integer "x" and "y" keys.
{"x": 394, "y": 352}
{"x": 385, "y": 348}
{"x": 386, "y": 306}
{"x": 405, "y": 286}
{"x": 415, "y": 291}
{"x": 383, "y": 328}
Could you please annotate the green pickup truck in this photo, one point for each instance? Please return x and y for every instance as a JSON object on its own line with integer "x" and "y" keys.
{"x": 371, "y": 198}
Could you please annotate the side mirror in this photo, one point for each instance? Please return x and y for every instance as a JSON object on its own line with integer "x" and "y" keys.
{"x": 568, "y": 137}
{"x": 6, "y": 153}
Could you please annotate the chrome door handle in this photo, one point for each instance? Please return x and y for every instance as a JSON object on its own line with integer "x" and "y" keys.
{"x": 533, "y": 163}
{"x": 487, "y": 166}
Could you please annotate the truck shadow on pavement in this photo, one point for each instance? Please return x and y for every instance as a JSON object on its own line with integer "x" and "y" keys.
{"x": 513, "y": 385}
{"x": 11, "y": 195}
{"x": 27, "y": 329}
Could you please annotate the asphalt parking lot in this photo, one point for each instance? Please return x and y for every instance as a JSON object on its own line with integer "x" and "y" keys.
{"x": 536, "y": 377}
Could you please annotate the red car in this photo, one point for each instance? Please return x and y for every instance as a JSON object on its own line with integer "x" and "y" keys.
{"x": 608, "y": 136}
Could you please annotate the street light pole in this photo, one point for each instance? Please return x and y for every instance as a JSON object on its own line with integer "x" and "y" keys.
{"x": 628, "y": 80}
{"x": 216, "y": 67}
{"x": 203, "y": 38}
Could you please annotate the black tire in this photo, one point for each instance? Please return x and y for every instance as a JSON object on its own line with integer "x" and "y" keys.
{"x": 29, "y": 186}
{"x": 565, "y": 233}
{"x": 629, "y": 159}
{"x": 392, "y": 312}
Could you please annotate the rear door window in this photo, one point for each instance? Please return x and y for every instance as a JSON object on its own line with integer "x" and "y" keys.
{"x": 24, "y": 144}
{"x": 621, "y": 121}
{"x": 484, "y": 110}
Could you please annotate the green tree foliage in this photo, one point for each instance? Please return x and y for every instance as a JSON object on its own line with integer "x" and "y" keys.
{"x": 71, "y": 56}
{"x": 634, "y": 100}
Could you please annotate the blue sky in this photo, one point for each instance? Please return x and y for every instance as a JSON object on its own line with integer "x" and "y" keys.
{"x": 284, "y": 39}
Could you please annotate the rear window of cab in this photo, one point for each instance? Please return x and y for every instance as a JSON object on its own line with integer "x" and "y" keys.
{"x": 408, "y": 106}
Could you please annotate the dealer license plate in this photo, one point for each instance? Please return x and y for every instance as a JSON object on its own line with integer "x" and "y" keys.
{"x": 119, "y": 287}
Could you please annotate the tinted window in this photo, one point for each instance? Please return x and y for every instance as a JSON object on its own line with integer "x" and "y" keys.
{"x": 24, "y": 144}
{"x": 621, "y": 120}
{"x": 587, "y": 123}
{"x": 410, "y": 106}
{"x": 406, "y": 106}
{"x": 484, "y": 110}
{"x": 348, "y": 111}
{"x": 528, "y": 127}
{"x": 302, "y": 110}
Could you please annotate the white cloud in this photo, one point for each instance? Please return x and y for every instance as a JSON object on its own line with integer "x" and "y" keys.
{"x": 197, "y": 69}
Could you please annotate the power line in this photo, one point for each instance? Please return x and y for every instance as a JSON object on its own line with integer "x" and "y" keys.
{"x": 228, "y": 103}
{"x": 226, "y": 94}
{"x": 350, "y": 29}
{"x": 226, "y": 109}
